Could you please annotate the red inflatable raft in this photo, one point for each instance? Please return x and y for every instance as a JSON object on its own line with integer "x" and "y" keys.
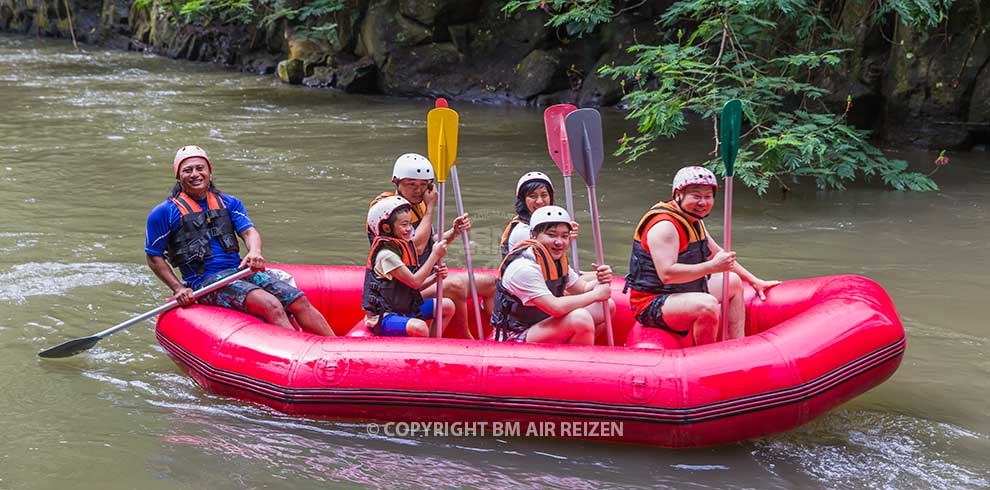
{"x": 812, "y": 345}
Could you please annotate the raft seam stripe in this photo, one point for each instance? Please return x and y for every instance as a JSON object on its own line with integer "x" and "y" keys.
{"x": 668, "y": 415}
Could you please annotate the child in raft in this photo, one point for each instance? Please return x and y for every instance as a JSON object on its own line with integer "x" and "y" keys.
{"x": 533, "y": 191}
{"x": 394, "y": 276}
{"x": 539, "y": 298}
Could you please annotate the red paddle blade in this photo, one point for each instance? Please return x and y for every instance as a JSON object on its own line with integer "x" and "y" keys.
{"x": 553, "y": 119}
{"x": 441, "y": 103}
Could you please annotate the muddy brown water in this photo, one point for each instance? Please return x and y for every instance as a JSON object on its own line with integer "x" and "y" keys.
{"x": 85, "y": 152}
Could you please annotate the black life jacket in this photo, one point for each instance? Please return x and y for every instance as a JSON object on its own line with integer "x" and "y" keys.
{"x": 503, "y": 243}
{"x": 189, "y": 246}
{"x": 418, "y": 211}
{"x": 509, "y": 315}
{"x": 643, "y": 273}
{"x": 391, "y": 296}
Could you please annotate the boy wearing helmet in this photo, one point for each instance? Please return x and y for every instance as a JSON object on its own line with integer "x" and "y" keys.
{"x": 196, "y": 229}
{"x": 539, "y": 297}
{"x": 413, "y": 177}
{"x": 394, "y": 276}
{"x": 675, "y": 270}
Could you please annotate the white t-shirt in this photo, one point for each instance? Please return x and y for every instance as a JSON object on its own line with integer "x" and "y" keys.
{"x": 519, "y": 233}
{"x": 524, "y": 279}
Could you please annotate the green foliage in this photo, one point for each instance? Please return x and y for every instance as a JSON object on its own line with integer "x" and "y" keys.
{"x": 226, "y": 11}
{"x": 919, "y": 14}
{"x": 579, "y": 17}
{"x": 307, "y": 18}
{"x": 767, "y": 53}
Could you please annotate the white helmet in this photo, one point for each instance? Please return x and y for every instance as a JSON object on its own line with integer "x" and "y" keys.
{"x": 382, "y": 210}
{"x": 549, "y": 214}
{"x": 694, "y": 176}
{"x": 412, "y": 166}
{"x": 530, "y": 176}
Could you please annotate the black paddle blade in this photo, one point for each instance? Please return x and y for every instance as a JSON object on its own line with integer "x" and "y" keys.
{"x": 584, "y": 138}
{"x": 70, "y": 348}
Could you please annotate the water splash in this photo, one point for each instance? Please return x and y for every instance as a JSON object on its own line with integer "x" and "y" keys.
{"x": 51, "y": 278}
{"x": 854, "y": 449}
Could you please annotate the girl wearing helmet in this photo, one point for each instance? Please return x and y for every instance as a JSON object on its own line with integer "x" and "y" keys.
{"x": 534, "y": 190}
{"x": 675, "y": 270}
{"x": 394, "y": 277}
{"x": 539, "y": 297}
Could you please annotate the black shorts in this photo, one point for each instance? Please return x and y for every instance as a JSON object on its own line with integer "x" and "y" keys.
{"x": 652, "y": 316}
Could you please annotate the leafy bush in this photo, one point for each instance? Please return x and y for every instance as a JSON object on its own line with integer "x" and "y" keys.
{"x": 766, "y": 53}
{"x": 305, "y": 17}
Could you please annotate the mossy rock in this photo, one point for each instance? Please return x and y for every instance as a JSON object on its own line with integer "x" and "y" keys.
{"x": 535, "y": 74}
{"x": 291, "y": 71}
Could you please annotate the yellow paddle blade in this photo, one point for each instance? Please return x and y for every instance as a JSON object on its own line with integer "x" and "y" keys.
{"x": 441, "y": 130}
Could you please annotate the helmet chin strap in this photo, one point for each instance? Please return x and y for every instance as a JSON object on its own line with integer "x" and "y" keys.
{"x": 689, "y": 213}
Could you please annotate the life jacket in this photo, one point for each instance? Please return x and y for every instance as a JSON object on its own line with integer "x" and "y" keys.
{"x": 391, "y": 295}
{"x": 509, "y": 315}
{"x": 189, "y": 246}
{"x": 693, "y": 249}
{"x": 503, "y": 243}
{"x": 418, "y": 212}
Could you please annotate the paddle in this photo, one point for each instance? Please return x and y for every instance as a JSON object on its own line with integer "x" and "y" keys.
{"x": 75, "y": 346}
{"x": 729, "y": 128}
{"x": 584, "y": 134}
{"x": 442, "y": 103}
{"x": 553, "y": 119}
{"x": 441, "y": 133}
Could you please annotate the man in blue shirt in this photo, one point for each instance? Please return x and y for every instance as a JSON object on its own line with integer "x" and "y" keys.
{"x": 196, "y": 229}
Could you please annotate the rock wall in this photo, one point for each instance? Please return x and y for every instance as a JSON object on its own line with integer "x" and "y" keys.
{"x": 929, "y": 90}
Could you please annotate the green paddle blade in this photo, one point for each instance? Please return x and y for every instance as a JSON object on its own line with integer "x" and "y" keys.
{"x": 584, "y": 139}
{"x": 728, "y": 134}
{"x": 441, "y": 130}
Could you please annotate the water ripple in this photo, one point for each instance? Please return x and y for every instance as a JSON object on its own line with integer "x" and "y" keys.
{"x": 51, "y": 278}
{"x": 853, "y": 449}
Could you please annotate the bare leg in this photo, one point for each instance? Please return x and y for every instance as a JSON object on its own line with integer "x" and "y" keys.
{"x": 737, "y": 305}
{"x": 309, "y": 319}
{"x": 448, "y": 314}
{"x": 417, "y": 328}
{"x": 456, "y": 289}
{"x": 693, "y": 312}
{"x": 261, "y": 303}
{"x": 576, "y": 327}
{"x": 486, "y": 289}
{"x": 598, "y": 314}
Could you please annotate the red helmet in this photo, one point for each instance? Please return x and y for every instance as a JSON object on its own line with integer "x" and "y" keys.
{"x": 694, "y": 176}
{"x": 187, "y": 152}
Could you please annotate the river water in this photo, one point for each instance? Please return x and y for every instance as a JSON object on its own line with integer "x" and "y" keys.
{"x": 86, "y": 142}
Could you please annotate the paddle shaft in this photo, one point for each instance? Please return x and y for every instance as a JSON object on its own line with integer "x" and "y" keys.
{"x": 435, "y": 329}
{"x": 467, "y": 253}
{"x": 209, "y": 288}
{"x": 724, "y": 318}
{"x": 570, "y": 210}
{"x": 75, "y": 346}
{"x": 600, "y": 255}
